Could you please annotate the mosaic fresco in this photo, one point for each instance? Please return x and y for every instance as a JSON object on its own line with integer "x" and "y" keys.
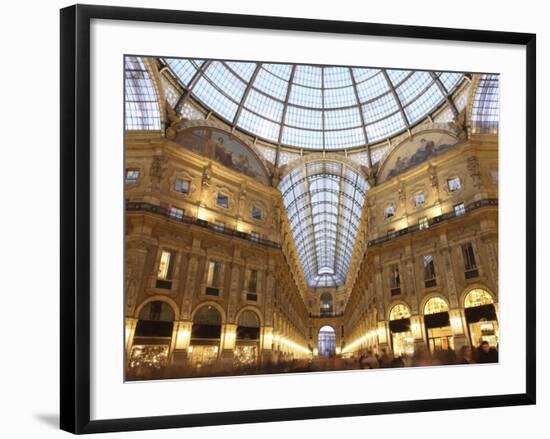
{"x": 224, "y": 148}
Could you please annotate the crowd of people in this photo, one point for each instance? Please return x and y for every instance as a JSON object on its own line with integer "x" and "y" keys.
{"x": 483, "y": 353}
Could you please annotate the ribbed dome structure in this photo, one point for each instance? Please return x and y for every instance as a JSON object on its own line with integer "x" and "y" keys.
{"x": 315, "y": 107}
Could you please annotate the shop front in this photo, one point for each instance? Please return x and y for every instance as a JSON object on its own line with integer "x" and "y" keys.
{"x": 247, "y": 347}
{"x": 152, "y": 337}
{"x": 205, "y": 337}
{"x": 402, "y": 338}
{"x": 481, "y": 317}
{"x": 439, "y": 333}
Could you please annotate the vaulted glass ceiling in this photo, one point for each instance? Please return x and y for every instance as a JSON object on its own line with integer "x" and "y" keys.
{"x": 314, "y": 107}
{"x": 324, "y": 200}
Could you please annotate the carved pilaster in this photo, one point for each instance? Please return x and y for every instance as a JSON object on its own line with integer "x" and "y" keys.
{"x": 189, "y": 288}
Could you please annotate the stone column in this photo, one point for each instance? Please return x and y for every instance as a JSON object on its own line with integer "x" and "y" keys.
{"x": 228, "y": 339}
{"x": 129, "y": 331}
{"x": 459, "y": 327}
{"x": 182, "y": 342}
{"x": 418, "y": 329}
{"x": 383, "y": 334}
{"x": 189, "y": 287}
{"x": 266, "y": 345}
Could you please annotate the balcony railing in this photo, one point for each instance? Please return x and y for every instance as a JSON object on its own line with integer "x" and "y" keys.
{"x": 433, "y": 221}
{"x": 325, "y": 314}
{"x": 161, "y": 211}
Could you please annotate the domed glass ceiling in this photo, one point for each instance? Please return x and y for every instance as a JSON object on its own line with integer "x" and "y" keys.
{"x": 314, "y": 107}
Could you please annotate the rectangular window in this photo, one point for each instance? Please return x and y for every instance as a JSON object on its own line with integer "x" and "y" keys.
{"x": 256, "y": 213}
{"x": 165, "y": 265}
{"x": 251, "y": 280}
{"x": 222, "y": 201}
{"x": 419, "y": 199}
{"x": 423, "y": 223}
{"x": 389, "y": 212}
{"x": 213, "y": 277}
{"x": 183, "y": 186}
{"x": 255, "y": 236}
{"x": 453, "y": 184}
{"x": 469, "y": 257}
{"x": 459, "y": 209}
{"x": 176, "y": 213}
{"x": 395, "y": 280}
{"x": 429, "y": 271}
{"x": 132, "y": 176}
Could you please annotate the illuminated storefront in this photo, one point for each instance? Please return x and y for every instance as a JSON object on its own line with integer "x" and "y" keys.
{"x": 438, "y": 326}
{"x": 153, "y": 335}
{"x": 481, "y": 317}
{"x": 402, "y": 338}
{"x": 205, "y": 337}
{"x": 248, "y": 339}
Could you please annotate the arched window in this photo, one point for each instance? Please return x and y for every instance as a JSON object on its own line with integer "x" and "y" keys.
{"x": 155, "y": 320}
{"x": 477, "y": 297}
{"x": 248, "y": 326}
{"x": 435, "y": 305}
{"x": 399, "y": 312}
{"x": 327, "y": 341}
{"x": 207, "y": 323}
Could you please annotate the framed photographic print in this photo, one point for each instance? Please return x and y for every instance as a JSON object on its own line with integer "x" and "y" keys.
{"x": 260, "y": 214}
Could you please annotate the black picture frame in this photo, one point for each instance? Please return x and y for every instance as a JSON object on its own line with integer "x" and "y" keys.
{"x": 75, "y": 217}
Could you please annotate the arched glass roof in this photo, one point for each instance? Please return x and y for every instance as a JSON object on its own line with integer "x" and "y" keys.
{"x": 485, "y": 110}
{"x": 324, "y": 200}
{"x": 314, "y": 107}
{"x": 140, "y": 98}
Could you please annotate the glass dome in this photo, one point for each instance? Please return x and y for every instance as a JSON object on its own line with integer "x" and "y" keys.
{"x": 314, "y": 107}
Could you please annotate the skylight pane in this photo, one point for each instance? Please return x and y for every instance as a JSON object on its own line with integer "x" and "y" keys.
{"x": 361, "y": 74}
{"x": 385, "y": 128}
{"x": 450, "y": 80}
{"x": 264, "y": 106}
{"x": 344, "y": 139}
{"x": 309, "y": 76}
{"x": 338, "y": 119}
{"x": 302, "y": 118}
{"x": 372, "y": 88}
{"x": 271, "y": 84}
{"x": 380, "y": 108}
{"x": 413, "y": 86}
{"x": 259, "y": 126}
{"x": 336, "y": 77}
{"x": 306, "y": 97}
{"x": 397, "y": 76}
{"x": 244, "y": 70}
{"x": 184, "y": 69}
{"x": 214, "y": 99}
{"x": 303, "y": 138}
{"x": 424, "y": 104}
{"x": 281, "y": 70}
{"x": 226, "y": 81}
{"x": 340, "y": 97}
